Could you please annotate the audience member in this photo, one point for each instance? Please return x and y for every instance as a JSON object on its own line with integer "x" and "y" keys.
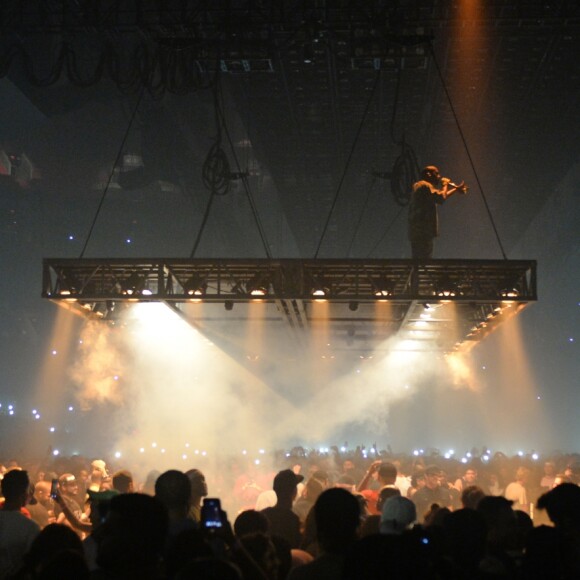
{"x": 198, "y": 492}
{"x": 123, "y": 481}
{"x": 283, "y": 521}
{"x": 337, "y": 515}
{"x": 517, "y": 491}
{"x": 173, "y": 490}
{"x": 17, "y": 531}
{"x": 431, "y": 493}
{"x": 398, "y": 514}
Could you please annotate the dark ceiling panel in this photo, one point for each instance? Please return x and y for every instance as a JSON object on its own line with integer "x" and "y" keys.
{"x": 323, "y": 93}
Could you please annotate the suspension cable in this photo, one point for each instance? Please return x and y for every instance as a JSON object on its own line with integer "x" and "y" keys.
{"x": 112, "y": 173}
{"x": 348, "y": 162}
{"x": 361, "y": 215}
{"x": 217, "y": 175}
{"x": 215, "y": 171}
{"x": 466, "y": 148}
{"x": 387, "y": 231}
{"x": 247, "y": 189}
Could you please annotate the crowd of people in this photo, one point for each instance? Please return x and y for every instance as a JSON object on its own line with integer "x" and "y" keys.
{"x": 310, "y": 515}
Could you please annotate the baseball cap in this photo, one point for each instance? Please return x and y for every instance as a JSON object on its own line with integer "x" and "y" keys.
{"x": 398, "y": 514}
{"x": 287, "y": 479}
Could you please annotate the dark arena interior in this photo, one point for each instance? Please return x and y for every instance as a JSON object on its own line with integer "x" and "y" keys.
{"x": 205, "y": 228}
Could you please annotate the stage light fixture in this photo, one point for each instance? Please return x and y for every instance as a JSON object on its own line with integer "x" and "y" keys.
{"x": 320, "y": 289}
{"x": 195, "y": 286}
{"x": 134, "y": 284}
{"x": 382, "y": 287}
{"x": 228, "y": 305}
{"x": 68, "y": 286}
{"x": 257, "y": 286}
{"x": 446, "y": 288}
{"x": 353, "y": 306}
{"x": 509, "y": 293}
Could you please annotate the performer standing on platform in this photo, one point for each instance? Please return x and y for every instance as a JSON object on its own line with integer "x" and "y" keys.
{"x": 423, "y": 223}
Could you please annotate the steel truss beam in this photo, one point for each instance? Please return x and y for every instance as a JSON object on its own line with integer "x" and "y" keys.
{"x": 483, "y": 292}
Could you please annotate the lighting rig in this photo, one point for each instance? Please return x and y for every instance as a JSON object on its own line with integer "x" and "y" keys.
{"x": 439, "y": 305}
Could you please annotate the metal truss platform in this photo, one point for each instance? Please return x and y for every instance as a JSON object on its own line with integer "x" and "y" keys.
{"x": 355, "y": 305}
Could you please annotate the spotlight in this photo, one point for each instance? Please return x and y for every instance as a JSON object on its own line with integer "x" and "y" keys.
{"x": 195, "y": 286}
{"x": 320, "y": 289}
{"x": 228, "y": 305}
{"x": 382, "y": 287}
{"x": 509, "y": 293}
{"x": 257, "y": 286}
{"x": 134, "y": 284}
{"x": 68, "y": 286}
{"x": 446, "y": 288}
{"x": 353, "y": 306}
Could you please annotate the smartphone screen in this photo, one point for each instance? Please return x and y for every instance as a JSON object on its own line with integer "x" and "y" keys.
{"x": 54, "y": 488}
{"x": 211, "y": 513}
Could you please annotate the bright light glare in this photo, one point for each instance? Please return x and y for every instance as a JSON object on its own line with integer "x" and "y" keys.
{"x": 407, "y": 345}
{"x": 158, "y": 328}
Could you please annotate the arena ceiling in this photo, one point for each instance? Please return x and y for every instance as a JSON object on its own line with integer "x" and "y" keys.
{"x": 322, "y": 102}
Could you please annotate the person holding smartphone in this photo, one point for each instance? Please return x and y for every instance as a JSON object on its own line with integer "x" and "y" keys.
{"x": 67, "y": 490}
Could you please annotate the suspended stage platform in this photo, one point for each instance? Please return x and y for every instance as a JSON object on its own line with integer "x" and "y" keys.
{"x": 355, "y": 306}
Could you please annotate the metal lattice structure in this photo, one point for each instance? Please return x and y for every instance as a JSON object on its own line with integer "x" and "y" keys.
{"x": 440, "y": 305}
